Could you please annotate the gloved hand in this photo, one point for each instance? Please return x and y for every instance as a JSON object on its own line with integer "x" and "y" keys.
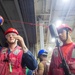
{"x": 71, "y": 65}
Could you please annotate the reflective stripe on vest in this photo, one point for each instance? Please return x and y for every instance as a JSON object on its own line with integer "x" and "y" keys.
{"x": 56, "y": 52}
{"x": 73, "y": 53}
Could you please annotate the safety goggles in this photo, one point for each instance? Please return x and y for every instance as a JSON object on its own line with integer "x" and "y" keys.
{"x": 61, "y": 31}
{"x": 9, "y": 34}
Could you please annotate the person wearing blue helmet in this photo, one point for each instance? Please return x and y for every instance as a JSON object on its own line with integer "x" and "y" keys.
{"x": 42, "y": 66}
{"x": 42, "y": 52}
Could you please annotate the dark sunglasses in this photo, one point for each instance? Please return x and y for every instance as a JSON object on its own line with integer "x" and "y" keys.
{"x": 44, "y": 55}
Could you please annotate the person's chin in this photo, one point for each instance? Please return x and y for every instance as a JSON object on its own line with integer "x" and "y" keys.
{"x": 11, "y": 42}
{"x": 62, "y": 40}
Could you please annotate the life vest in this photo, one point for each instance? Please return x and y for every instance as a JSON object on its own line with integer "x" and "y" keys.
{"x": 69, "y": 55}
{"x": 10, "y": 63}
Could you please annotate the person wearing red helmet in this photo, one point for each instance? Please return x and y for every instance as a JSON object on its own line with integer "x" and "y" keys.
{"x": 14, "y": 58}
{"x": 11, "y": 30}
{"x": 68, "y": 52}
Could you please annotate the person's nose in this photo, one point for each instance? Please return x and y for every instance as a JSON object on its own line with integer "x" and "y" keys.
{"x": 10, "y": 36}
{"x": 60, "y": 34}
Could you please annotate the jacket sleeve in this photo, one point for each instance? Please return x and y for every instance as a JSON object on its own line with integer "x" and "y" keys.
{"x": 29, "y": 60}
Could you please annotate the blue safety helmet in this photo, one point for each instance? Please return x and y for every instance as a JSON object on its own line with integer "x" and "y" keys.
{"x": 42, "y": 52}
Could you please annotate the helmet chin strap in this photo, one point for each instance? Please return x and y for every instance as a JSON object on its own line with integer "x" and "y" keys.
{"x": 66, "y": 35}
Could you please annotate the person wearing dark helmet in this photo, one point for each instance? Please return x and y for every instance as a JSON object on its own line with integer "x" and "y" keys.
{"x": 42, "y": 66}
{"x": 14, "y": 58}
{"x": 68, "y": 52}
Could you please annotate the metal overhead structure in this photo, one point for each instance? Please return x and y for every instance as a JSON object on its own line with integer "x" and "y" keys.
{"x": 21, "y": 19}
{"x": 20, "y": 15}
{"x": 52, "y": 10}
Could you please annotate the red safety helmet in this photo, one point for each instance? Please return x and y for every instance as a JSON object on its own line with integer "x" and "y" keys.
{"x": 13, "y": 30}
{"x": 64, "y": 26}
